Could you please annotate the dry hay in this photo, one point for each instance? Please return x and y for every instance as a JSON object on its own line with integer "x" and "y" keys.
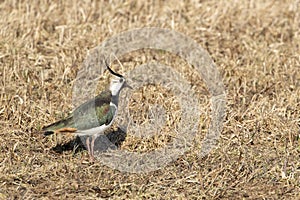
{"x": 255, "y": 45}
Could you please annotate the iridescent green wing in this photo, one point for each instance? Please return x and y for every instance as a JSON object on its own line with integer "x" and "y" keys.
{"x": 93, "y": 113}
{"x": 105, "y": 114}
{"x": 90, "y": 114}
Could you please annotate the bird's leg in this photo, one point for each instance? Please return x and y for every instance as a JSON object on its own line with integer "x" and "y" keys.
{"x": 92, "y": 145}
{"x": 88, "y": 145}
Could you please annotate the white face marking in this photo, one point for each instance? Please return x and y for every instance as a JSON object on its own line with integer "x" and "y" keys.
{"x": 116, "y": 85}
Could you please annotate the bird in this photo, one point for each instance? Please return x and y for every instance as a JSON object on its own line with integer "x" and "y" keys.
{"x": 82, "y": 121}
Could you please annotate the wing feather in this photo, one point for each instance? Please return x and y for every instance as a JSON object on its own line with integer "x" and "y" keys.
{"x": 83, "y": 117}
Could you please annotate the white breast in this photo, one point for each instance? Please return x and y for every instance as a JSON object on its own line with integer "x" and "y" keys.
{"x": 92, "y": 131}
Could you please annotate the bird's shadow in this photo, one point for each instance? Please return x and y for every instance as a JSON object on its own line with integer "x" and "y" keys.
{"x": 110, "y": 141}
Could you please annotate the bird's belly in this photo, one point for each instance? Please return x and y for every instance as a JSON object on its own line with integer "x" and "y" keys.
{"x": 92, "y": 131}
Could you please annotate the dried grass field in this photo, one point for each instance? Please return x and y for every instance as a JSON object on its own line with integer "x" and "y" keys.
{"x": 256, "y": 47}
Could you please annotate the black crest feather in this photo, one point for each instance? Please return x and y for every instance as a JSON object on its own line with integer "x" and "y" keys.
{"x": 111, "y": 71}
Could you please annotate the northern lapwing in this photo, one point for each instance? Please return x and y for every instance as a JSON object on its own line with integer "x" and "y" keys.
{"x": 104, "y": 105}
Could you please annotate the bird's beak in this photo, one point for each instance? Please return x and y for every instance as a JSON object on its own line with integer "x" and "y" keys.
{"x": 126, "y": 85}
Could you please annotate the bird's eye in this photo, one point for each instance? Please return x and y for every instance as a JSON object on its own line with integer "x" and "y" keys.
{"x": 121, "y": 80}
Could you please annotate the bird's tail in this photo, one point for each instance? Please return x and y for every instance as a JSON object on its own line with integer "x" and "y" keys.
{"x": 46, "y": 133}
{"x": 59, "y": 127}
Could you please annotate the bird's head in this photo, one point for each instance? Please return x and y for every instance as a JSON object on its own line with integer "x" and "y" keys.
{"x": 117, "y": 83}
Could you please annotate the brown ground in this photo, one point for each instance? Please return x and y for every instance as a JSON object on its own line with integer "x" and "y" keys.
{"x": 256, "y": 46}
